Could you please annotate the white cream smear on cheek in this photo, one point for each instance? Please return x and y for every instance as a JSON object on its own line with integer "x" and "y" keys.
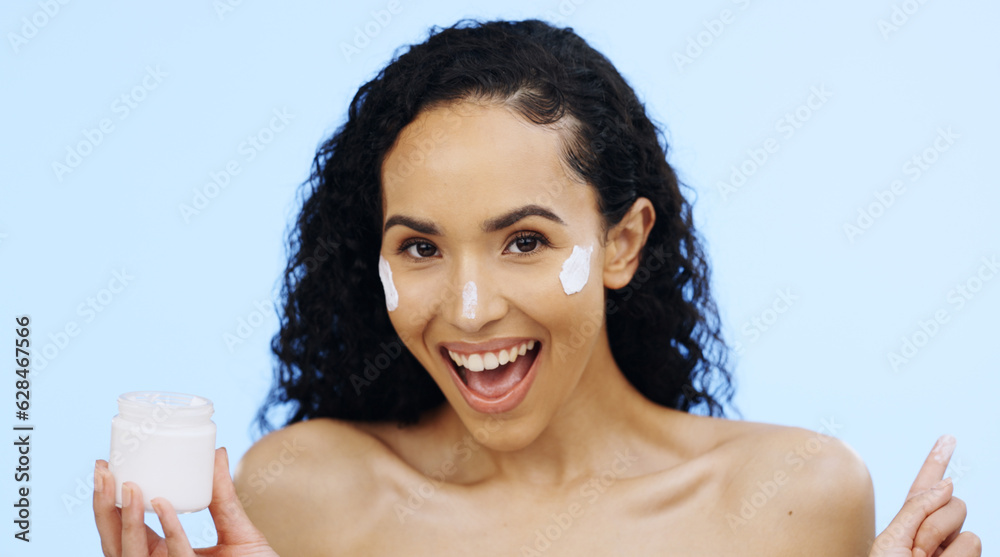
{"x": 469, "y": 300}
{"x": 576, "y": 270}
{"x": 385, "y": 273}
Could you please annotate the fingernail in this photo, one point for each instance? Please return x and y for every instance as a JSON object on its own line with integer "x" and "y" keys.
{"x": 941, "y": 485}
{"x": 126, "y": 495}
{"x": 917, "y": 552}
{"x": 98, "y": 479}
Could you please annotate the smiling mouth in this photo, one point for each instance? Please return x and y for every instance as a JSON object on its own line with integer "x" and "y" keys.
{"x": 497, "y": 382}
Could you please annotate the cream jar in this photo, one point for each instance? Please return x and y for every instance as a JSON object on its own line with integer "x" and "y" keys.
{"x": 165, "y": 443}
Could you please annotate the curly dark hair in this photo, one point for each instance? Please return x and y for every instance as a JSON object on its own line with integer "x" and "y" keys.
{"x": 336, "y": 340}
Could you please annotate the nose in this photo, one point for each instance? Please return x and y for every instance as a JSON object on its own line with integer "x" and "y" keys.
{"x": 476, "y": 300}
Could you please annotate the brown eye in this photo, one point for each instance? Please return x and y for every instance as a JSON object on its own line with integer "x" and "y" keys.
{"x": 421, "y": 250}
{"x": 526, "y": 244}
{"x": 426, "y": 250}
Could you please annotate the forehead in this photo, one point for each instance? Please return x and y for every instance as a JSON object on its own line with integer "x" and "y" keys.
{"x": 479, "y": 155}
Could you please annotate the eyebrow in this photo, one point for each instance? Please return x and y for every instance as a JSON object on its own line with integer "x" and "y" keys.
{"x": 492, "y": 225}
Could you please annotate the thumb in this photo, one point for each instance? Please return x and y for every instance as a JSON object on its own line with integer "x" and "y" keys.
{"x": 231, "y": 521}
{"x": 900, "y": 533}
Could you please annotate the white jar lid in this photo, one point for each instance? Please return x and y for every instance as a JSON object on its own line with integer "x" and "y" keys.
{"x": 181, "y": 405}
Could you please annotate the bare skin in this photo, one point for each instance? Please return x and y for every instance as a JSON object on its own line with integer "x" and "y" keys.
{"x": 642, "y": 499}
{"x": 584, "y": 464}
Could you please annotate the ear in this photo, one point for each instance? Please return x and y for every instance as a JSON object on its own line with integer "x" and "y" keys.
{"x": 625, "y": 243}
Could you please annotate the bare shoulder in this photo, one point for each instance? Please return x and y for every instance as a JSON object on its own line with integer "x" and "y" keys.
{"x": 304, "y": 477}
{"x": 795, "y": 491}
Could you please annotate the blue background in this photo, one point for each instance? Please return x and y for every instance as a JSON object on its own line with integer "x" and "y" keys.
{"x": 223, "y": 73}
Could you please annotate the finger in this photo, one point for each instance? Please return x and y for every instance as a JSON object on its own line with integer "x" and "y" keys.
{"x": 106, "y": 514}
{"x": 966, "y": 544}
{"x": 947, "y": 541}
{"x": 935, "y": 530}
{"x": 177, "y": 540}
{"x": 134, "y": 540}
{"x": 903, "y": 528}
{"x": 231, "y": 521}
{"x": 934, "y": 466}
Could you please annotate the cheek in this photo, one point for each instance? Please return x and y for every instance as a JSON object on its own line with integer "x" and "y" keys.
{"x": 420, "y": 298}
{"x": 562, "y": 291}
{"x": 577, "y": 312}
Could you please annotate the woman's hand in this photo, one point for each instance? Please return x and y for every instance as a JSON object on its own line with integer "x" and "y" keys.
{"x": 930, "y": 522}
{"x": 124, "y": 532}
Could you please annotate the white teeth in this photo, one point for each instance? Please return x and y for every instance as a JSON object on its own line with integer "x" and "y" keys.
{"x": 475, "y": 363}
{"x": 490, "y": 360}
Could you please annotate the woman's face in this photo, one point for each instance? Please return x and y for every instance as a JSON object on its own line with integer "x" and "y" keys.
{"x": 493, "y": 251}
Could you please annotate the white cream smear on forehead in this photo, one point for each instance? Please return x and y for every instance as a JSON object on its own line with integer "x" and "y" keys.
{"x": 469, "y": 300}
{"x": 576, "y": 269}
{"x": 385, "y": 273}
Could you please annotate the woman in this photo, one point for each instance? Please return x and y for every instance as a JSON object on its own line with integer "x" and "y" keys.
{"x": 496, "y": 322}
